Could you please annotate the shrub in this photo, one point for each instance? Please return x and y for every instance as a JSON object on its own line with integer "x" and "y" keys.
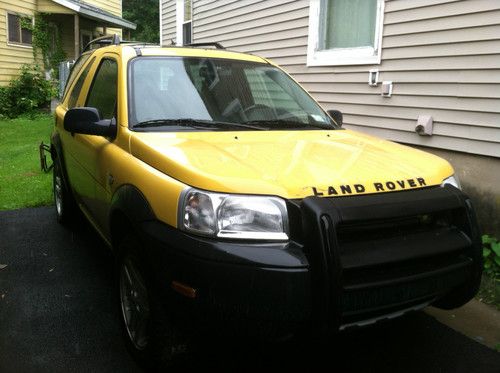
{"x": 26, "y": 94}
{"x": 491, "y": 255}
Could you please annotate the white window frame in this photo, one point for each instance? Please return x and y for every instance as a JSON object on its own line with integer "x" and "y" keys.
{"x": 14, "y": 44}
{"x": 342, "y": 56}
{"x": 161, "y": 22}
{"x": 179, "y": 22}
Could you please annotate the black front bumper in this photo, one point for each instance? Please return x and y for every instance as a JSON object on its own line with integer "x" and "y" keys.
{"x": 351, "y": 261}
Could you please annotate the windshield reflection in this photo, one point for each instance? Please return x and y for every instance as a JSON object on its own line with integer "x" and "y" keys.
{"x": 219, "y": 90}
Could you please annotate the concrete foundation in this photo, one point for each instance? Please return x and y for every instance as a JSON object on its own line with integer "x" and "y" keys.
{"x": 480, "y": 179}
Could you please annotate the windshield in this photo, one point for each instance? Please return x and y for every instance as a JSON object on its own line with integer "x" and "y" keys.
{"x": 172, "y": 93}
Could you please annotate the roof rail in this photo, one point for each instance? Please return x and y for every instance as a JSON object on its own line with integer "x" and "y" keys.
{"x": 131, "y": 43}
{"x": 208, "y": 44}
{"x": 103, "y": 40}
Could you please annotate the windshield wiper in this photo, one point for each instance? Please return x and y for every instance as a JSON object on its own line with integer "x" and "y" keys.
{"x": 283, "y": 123}
{"x": 169, "y": 122}
{"x": 193, "y": 123}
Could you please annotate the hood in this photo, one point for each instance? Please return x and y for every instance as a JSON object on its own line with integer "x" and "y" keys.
{"x": 290, "y": 164}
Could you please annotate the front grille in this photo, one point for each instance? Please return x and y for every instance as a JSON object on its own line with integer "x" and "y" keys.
{"x": 366, "y": 230}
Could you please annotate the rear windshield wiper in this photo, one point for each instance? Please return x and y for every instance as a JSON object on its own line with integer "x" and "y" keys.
{"x": 194, "y": 123}
{"x": 283, "y": 123}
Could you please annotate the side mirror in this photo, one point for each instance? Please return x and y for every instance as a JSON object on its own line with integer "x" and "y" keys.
{"x": 87, "y": 121}
{"x": 336, "y": 116}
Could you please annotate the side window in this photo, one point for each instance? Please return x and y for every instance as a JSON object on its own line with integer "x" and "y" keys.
{"x": 103, "y": 92}
{"x": 74, "y": 71}
{"x": 75, "y": 93}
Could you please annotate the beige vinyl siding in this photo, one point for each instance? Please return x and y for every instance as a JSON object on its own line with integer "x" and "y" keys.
{"x": 443, "y": 57}
{"x": 13, "y": 56}
{"x": 168, "y": 15}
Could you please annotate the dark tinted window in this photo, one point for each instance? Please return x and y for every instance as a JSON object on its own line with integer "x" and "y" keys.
{"x": 73, "y": 98}
{"x": 102, "y": 94}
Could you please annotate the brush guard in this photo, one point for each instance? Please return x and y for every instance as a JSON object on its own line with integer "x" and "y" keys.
{"x": 375, "y": 256}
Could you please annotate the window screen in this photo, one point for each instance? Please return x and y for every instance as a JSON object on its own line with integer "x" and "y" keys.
{"x": 103, "y": 91}
{"x": 14, "y": 29}
{"x": 17, "y": 33}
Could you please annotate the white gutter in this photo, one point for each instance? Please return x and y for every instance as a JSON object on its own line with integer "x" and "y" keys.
{"x": 113, "y": 20}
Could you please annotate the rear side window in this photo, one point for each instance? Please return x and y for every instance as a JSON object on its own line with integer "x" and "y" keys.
{"x": 103, "y": 92}
{"x": 75, "y": 69}
{"x": 75, "y": 93}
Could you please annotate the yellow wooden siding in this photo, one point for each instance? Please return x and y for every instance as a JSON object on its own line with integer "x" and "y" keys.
{"x": 12, "y": 57}
{"x": 112, "y": 6}
{"x": 443, "y": 57}
{"x": 48, "y": 6}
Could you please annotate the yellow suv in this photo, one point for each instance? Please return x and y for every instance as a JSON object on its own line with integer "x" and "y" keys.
{"x": 234, "y": 203}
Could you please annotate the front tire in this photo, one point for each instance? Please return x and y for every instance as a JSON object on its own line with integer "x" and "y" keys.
{"x": 63, "y": 200}
{"x": 149, "y": 332}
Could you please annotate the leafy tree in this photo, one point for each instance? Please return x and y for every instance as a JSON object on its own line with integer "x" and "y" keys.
{"x": 146, "y": 15}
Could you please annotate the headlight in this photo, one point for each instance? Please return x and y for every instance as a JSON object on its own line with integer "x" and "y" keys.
{"x": 452, "y": 180}
{"x": 233, "y": 216}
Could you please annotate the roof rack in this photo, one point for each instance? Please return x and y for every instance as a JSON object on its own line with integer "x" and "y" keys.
{"x": 115, "y": 40}
{"x": 208, "y": 44}
{"x": 103, "y": 40}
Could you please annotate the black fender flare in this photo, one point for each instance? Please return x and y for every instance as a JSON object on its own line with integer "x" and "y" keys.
{"x": 130, "y": 204}
{"x": 57, "y": 155}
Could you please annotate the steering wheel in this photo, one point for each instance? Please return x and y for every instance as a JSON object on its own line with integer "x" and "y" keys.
{"x": 258, "y": 112}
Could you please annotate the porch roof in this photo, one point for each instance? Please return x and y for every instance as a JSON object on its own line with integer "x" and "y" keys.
{"x": 95, "y": 13}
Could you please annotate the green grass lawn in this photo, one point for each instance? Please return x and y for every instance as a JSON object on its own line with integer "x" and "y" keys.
{"x": 22, "y": 183}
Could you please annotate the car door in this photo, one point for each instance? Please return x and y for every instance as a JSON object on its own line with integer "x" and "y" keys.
{"x": 74, "y": 97}
{"x": 102, "y": 95}
{"x": 100, "y": 152}
{"x": 95, "y": 87}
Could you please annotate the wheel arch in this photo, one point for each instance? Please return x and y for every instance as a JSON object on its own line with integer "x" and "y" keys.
{"x": 129, "y": 207}
{"x": 57, "y": 155}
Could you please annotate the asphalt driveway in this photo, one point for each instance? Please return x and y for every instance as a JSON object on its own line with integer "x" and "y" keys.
{"x": 58, "y": 313}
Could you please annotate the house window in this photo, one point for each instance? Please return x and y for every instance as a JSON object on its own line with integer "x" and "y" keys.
{"x": 17, "y": 33}
{"x": 184, "y": 21}
{"x": 345, "y": 32}
{"x": 85, "y": 39}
